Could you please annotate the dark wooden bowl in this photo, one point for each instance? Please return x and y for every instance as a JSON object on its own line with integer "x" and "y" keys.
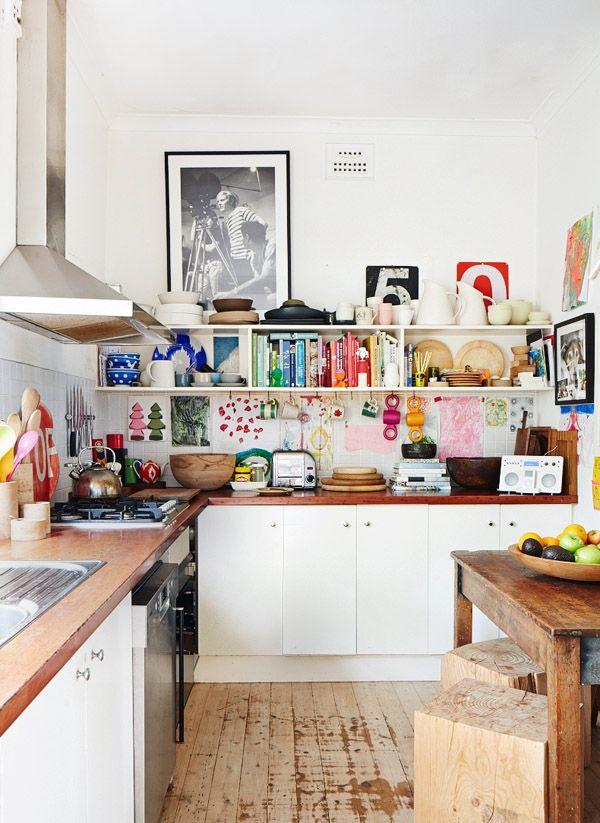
{"x": 475, "y": 472}
{"x": 419, "y": 451}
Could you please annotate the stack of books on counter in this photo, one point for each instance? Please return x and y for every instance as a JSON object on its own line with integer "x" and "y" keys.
{"x": 420, "y": 475}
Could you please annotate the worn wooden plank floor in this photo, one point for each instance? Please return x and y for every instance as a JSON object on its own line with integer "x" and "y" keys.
{"x": 302, "y": 752}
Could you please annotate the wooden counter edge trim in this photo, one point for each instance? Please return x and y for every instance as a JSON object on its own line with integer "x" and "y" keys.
{"x": 20, "y": 700}
{"x": 325, "y": 498}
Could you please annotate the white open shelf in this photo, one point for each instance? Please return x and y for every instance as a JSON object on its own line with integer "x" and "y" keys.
{"x": 404, "y": 335}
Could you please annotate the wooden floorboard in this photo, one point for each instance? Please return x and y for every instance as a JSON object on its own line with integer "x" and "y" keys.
{"x": 303, "y": 752}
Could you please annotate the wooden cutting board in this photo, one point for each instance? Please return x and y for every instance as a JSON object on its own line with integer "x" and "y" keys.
{"x": 522, "y": 437}
{"x": 352, "y": 470}
{"x": 380, "y": 487}
{"x": 168, "y": 493}
{"x": 367, "y": 480}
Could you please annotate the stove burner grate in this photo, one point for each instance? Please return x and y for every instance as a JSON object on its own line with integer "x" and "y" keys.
{"x": 122, "y": 509}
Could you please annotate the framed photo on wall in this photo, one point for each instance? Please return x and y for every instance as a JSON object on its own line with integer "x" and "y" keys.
{"x": 228, "y": 225}
{"x": 574, "y": 341}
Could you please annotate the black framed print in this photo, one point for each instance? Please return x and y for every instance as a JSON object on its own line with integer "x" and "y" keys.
{"x": 228, "y": 225}
{"x": 574, "y": 344}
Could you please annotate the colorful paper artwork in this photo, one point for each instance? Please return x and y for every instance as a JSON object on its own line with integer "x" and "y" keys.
{"x": 226, "y": 354}
{"x": 190, "y": 418}
{"x": 237, "y": 422}
{"x": 316, "y": 432}
{"x": 490, "y": 279}
{"x": 148, "y": 419}
{"x": 496, "y": 412}
{"x": 581, "y": 420}
{"x": 461, "y": 427}
{"x": 368, "y": 437}
{"x": 577, "y": 263}
{"x": 596, "y": 483}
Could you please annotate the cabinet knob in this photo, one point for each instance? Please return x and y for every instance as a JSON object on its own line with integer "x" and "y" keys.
{"x": 85, "y": 674}
{"x": 367, "y": 522}
{"x": 99, "y": 655}
{"x": 273, "y": 525}
{"x": 491, "y": 523}
{"x": 346, "y": 525}
{"x": 512, "y": 523}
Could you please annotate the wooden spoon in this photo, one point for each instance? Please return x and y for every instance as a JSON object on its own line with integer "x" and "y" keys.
{"x": 30, "y": 400}
{"x": 34, "y": 421}
{"x": 14, "y": 421}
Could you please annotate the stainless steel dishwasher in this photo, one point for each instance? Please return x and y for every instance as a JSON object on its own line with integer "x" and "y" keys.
{"x": 153, "y": 605}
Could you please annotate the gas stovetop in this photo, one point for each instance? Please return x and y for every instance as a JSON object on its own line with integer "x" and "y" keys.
{"x": 119, "y": 513}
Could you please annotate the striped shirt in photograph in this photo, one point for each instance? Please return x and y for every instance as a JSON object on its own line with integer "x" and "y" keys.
{"x": 239, "y": 215}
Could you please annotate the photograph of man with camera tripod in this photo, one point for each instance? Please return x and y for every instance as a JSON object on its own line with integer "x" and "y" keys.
{"x": 218, "y": 258}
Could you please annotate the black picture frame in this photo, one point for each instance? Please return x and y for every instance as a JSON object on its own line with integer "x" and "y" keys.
{"x": 211, "y": 252}
{"x": 574, "y": 355}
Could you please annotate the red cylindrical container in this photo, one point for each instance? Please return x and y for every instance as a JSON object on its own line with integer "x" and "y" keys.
{"x": 114, "y": 441}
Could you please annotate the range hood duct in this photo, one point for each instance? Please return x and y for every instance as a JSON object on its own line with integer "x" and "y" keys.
{"x": 39, "y": 288}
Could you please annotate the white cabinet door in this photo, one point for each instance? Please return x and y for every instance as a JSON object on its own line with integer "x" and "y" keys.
{"x": 391, "y": 580}
{"x": 42, "y": 754}
{"x": 319, "y": 580}
{"x": 547, "y": 520}
{"x": 456, "y": 528}
{"x": 109, "y": 718}
{"x": 240, "y": 559}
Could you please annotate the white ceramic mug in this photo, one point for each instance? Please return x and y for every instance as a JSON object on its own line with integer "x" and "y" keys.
{"x": 363, "y": 315}
{"x": 161, "y": 373}
{"x": 402, "y": 315}
{"x": 344, "y": 312}
{"x": 290, "y": 411}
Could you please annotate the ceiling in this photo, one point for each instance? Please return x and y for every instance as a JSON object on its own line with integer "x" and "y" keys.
{"x": 438, "y": 59}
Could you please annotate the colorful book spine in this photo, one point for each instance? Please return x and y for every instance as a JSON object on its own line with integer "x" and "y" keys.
{"x": 293, "y": 365}
{"x": 301, "y": 363}
{"x": 260, "y": 361}
{"x": 313, "y": 364}
{"x": 285, "y": 359}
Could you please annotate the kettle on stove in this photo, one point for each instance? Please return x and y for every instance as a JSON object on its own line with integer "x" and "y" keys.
{"x": 93, "y": 480}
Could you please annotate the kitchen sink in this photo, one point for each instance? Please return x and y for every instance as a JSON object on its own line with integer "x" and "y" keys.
{"x": 29, "y": 587}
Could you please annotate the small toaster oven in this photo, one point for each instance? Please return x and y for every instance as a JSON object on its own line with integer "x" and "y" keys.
{"x": 294, "y": 468}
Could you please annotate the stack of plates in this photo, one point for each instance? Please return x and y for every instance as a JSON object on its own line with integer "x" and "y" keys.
{"x": 354, "y": 479}
{"x": 462, "y": 379}
{"x": 179, "y": 314}
{"x": 234, "y": 318}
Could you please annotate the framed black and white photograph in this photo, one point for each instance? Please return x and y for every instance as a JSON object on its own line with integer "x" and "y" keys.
{"x": 395, "y": 284}
{"x": 574, "y": 360}
{"x": 228, "y": 225}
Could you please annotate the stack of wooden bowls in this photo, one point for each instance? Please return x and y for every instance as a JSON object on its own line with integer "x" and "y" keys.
{"x": 354, "y": 479}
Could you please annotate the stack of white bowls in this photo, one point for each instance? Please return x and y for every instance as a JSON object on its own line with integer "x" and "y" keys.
{"x": 179, "y": 308}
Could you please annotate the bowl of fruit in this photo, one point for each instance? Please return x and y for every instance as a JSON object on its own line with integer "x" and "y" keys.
{"x": 574, "y": 554}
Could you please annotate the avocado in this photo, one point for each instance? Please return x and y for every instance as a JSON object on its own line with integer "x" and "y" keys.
{"x": 556, "y": 553}
{"x": 532, "y": 547}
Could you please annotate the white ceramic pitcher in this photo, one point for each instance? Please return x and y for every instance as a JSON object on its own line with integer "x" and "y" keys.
{"x": 435, "y": 308}
{"x": 473, "y": 310}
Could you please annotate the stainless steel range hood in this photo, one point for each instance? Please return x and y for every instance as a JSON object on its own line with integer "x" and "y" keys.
{"x": 39, "y": 288}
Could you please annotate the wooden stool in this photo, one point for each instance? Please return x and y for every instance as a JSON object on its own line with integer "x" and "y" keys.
{"x": 502, "y": 663}
{"x": 481, "y": 750}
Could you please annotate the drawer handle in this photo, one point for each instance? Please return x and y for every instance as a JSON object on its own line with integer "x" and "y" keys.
{"x": 99, "y": 655}
{"x": 273, "y": 525}
{"x": 367, "y": 522}
{"x": 346, "y": 525}
{"x": 85, "y": 674}
{"x": 512, "y": 523}
{"x": 491, "y": 523}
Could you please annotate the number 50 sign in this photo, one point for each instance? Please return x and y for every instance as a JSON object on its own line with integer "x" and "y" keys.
{"x": 45, "y": 459}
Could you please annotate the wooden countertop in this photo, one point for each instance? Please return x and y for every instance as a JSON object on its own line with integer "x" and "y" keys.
{"x": 32, "y": 658}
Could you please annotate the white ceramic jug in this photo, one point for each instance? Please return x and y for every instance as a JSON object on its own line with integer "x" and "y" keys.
{"x": 435, "y": 308}
{"x": 473, "y": 311}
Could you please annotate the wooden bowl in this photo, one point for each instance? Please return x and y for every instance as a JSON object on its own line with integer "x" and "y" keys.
{"x": 475, "y": 472}
{"x": 419, "y": 451}
{"x": 583, "y": 572}
{"x": 232, "y": 304}
{"x": 202, "y": 471}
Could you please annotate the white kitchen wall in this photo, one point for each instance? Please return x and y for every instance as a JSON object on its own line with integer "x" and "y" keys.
{"x": 568, "y": 188}
{"x": 440, "y": 194}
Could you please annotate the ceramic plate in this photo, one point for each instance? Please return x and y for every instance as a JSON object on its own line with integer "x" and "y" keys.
{"x": 584, "y": 572}
{"x": 480, "y": 354}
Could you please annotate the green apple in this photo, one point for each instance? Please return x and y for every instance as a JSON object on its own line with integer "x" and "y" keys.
{"x": 588, "y": 554}
{"x": 570, "y": 542}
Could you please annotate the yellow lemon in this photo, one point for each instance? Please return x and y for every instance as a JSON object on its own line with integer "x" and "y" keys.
{"x": 549, "y": 541}
{"x": 527, "y": 535}
{"x": 575, "y": 528}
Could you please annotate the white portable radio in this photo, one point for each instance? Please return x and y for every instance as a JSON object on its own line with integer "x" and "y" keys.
{"x": 528, "y": 474}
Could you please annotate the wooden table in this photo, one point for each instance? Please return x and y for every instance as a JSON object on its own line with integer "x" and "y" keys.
{"x": 557, "y": 622}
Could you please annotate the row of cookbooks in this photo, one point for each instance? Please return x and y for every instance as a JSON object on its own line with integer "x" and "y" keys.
{"x": 307, "y": 359}
{"x": 420, "y": 475}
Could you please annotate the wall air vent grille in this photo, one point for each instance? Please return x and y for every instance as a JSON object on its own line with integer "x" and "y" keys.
{"x": 349, "y": 161}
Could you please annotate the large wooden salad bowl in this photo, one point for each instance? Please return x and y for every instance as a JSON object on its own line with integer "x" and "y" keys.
{"x": 582, "y": 572}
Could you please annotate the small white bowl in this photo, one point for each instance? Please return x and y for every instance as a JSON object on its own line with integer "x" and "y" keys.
{"x": 230, "y": 377}
{"x": 202, "y": 378}
{"x": 187, "y": 297}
